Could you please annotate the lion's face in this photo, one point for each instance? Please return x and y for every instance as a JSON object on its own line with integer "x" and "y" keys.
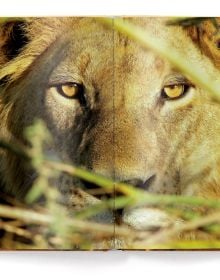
{"x": 122, "y": 111}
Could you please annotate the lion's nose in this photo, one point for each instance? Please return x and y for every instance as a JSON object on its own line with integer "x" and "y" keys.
{"x": 144, "y": 185}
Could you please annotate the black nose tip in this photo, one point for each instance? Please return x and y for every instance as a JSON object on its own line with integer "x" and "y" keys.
{"x": 144, "y": 185}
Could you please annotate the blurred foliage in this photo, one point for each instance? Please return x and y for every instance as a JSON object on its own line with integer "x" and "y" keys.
{"x": 53, "y": 226}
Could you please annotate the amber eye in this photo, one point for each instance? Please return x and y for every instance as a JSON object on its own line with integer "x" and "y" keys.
{"x": 70, "y": 90}
{"x": 174, "y": 91}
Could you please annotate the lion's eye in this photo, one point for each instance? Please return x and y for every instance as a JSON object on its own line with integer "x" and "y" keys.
{"x": 174, "y": 91}
{"x": 73, "y": 91}
{"x": 70, "y": 90}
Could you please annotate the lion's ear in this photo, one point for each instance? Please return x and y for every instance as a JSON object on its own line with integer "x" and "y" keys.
{"x": 12, "y": 39}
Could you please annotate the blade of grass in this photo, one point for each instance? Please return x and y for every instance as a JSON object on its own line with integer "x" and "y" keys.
{"x": 198, "y": 75}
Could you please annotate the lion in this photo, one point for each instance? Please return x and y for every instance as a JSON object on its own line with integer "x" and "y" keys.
{"x": 111, "y": 107}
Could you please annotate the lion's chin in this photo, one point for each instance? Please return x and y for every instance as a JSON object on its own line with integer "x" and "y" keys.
{"x": 147, "y": 218}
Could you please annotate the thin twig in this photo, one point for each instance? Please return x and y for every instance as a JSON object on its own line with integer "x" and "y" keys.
{"x": 30, "y": 216}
